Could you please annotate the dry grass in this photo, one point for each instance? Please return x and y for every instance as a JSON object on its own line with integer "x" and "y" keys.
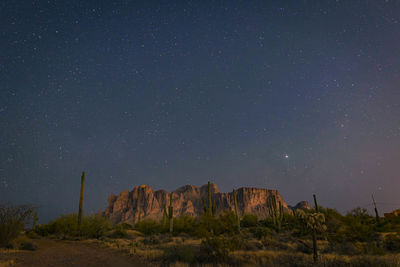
{"x": 7, "y": 263}
{"x": 254, "y": 254}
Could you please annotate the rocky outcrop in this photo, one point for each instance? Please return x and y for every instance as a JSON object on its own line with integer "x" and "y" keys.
{"x": 302, "y": 205}
{"x": 144, "y": 202}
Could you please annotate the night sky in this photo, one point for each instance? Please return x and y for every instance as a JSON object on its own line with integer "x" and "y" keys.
{"x": 299, "y": 96}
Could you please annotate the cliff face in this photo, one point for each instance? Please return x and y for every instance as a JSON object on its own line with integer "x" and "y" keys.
{"x": 143, "y": 201}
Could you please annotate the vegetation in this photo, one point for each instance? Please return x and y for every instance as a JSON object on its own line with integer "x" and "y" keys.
{"x": 12, "y": 222}
{"x": 67, "y": 226}
{"x": 320, "y": 237}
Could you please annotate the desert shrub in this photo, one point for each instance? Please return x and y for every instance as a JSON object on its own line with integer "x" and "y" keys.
{"x": 217, "y": 248}
{"x": 28, "y": 246}
{"x": 118, "y": 232}
{"x": 249, "y": 220}
{"x": 94, "y": 226}
{"x": 148, "y": 227}
{"x": 185, "y": 224}
{"x": 12, "y": 221}
{"x": 333, "y": 219}
{"x": 151, "y": 240}
{"x": 356, "y": 226}
{"x": 260, "y": 232}
{"x": 207, "y": 226}
{"x": 392, "y": 243}
{"x": 180, "y": 253}
{"x": 227, "y": 223}
{"x": 66, "y": 226}
{"x": 126, "y": 226}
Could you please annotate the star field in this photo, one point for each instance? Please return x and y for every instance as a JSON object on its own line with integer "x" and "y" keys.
{"x": 300, "y": 96}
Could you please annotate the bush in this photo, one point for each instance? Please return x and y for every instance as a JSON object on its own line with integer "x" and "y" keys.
{"x": 392, "y": 243}
{"x": 217, "y": 248}
{"x": 185, "y": 224}
{"x": 65, "y": 226}
{"x": 12, "y": 222}
{"x": 260, "y": 232}
{"x": 227, "y": 223}
{"x": 94, "y": 226}
{"x": 119, "y": 232}
{"x": 28, "y": 246}
{"x": 249, "y": 220}
{"x": 180, "y": 253}
{"x": 148, "y": 227}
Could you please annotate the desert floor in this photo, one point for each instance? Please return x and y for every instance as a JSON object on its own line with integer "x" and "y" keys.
{"x": 66, "y": 253}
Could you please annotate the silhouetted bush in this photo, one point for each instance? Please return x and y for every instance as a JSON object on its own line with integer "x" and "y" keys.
{"x": 392, "y": 243}
{"x": 260, "y": 232}
{"x": 148, "y": 227}
{"x": 66, "y": 226}
{"x": 249, "y": 220}
{"x": 180, "y": 253}
{"x": 185, "y": 224}
{"x": 28, "y": 246}
{"x": 217, "y": 248}
{"x": 12, "y": 222}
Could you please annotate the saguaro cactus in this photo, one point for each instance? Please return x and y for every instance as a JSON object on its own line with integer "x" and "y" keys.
{"x": 376, "y": 210}
{"x": 315, "y": 203}
{"x": 80, "y": 214}
{"x": 35, "y": 219}
{"x": 236, "y": 209}
{"x": 165, "y": 215}
{"x": 211, "y": 209}
{"x": 209, "y": 199}
{"x": 171, "y": 214}
{"x": 315, "y": 222}
{"x": 277, "y": 215}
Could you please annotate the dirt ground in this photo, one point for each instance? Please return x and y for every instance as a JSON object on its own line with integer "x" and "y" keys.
{"x": 67, "y": 253}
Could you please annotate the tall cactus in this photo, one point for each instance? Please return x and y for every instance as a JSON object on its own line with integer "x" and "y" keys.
{"x": 211, "y": 209}
{"x": 80, "y": 214}
{"x": 165, "y": 216}
{"x": 276, "y": 214}
{"x": 236, "y": 209}
{"x": 35, "y": 219}
{"x": 315, "y": 203}
{"x": 209, "y": 199}
{"x": 171, "y": 214}
{"x": 315, "y": 222}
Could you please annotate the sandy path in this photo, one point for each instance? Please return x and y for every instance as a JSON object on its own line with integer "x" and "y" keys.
{"x": 68, "y": 253}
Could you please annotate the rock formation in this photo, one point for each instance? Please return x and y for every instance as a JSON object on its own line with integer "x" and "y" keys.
{"x": 145, "y": 202}
{"x": 302, "y": 205}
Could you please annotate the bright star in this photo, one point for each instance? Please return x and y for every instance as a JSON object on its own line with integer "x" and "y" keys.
{"x": 286, "y": 156}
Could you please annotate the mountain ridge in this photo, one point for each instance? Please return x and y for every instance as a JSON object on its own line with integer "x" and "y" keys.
{"x": 145, "y": 202}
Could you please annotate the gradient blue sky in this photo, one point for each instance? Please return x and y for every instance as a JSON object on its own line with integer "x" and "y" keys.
{"x": 181, "y": 92}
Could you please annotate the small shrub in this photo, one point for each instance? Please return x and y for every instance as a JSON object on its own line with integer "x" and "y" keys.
{"x": 392, "y": 243}
{"x": 260, "y": 232}
{"x": 28, "y": 246}
{"x": 66, "y": 226}
{"x": 94, "y": 226}
{"x": 217, "y": 248}
{"x": 185, "y": 224}
{"x": 180, "y": 253}
{"x": 249, "y": 220}
{"x": 151, "y": 240}
{"x": 118, "y": 232}
{"x": 148, "y": 227}
{"x": 12, "y": 222}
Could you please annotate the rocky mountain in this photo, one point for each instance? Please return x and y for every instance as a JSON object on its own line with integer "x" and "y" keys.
{"x": 303, "y": 205}
{"x": 144, "y": 202}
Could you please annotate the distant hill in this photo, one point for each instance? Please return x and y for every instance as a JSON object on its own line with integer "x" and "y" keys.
{"x": 145, "y": 202}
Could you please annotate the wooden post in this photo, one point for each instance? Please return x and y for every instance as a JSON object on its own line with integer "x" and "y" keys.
{"x": 80, "y": 214}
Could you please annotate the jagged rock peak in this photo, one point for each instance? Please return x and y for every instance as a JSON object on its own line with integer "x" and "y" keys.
{"x": 144, "y": 202}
